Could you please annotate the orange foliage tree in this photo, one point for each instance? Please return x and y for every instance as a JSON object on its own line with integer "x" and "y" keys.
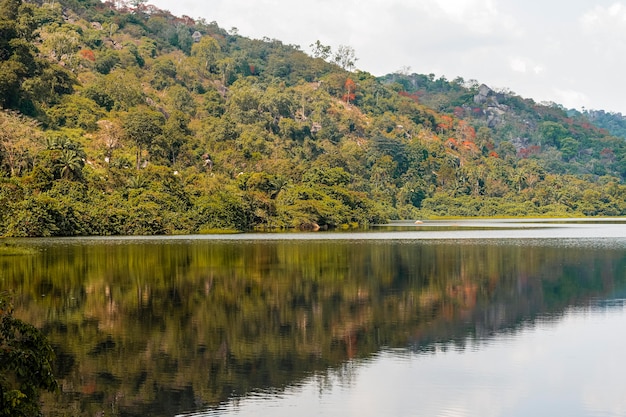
{"x": 350, "y": 93}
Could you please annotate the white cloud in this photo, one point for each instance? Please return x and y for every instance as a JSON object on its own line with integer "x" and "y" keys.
{"x": 518, "y": 65}
{"x": 605, "y": 30}
{"x": 525, "y": 66}
{"x": 480, "y": 17}
{"x": 609, "y": 20}
{"x": 573, "y": 98}
{"x": 600, "y": 13}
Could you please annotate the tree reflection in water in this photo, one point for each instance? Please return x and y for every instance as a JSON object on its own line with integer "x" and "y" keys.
{"x": 162, "y": 327}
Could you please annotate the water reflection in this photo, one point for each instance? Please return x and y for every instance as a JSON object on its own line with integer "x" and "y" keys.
{"x": 544, "y": 369}
{"x": 162, "y": 327}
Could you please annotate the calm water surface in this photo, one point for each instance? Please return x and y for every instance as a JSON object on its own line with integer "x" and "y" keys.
{"x": 546, "y": 369}
{"x": 463, "y": 318}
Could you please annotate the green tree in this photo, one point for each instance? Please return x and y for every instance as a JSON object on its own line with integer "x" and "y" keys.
{"x": 175, "y": 135}
{"x": 569, "y": 148}
{"x": 180, "y": 99}
{"x": 207, "y": 53}
{"x": 123, "y": 88}
{"x": 182, "y": 38}
{"x": 163, "y": 73}
{"x": 70, "y": 164}
{"x": 106, "y": 61}
{"x": 141, "y": 126}
{"x": 320, "y": 50}
{"x": 25, "y": 364}
{"x": 67, "y": 157}
{"x": 17, "y": 54}
{"x": 76, "y": 112}
{"x": 62, "y": 45}
{"x": 50, "y": 84}
{"x": 551, "y": 133}
{"x": 19, "y": 142}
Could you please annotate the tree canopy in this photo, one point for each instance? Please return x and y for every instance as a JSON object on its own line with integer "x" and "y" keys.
{"x": 25, "y": 364}
{"x": 175, "y": 125}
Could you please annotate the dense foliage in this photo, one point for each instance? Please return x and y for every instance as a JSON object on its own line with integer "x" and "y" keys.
{"x": 128, "y": 120}
{"x": 25, "y": 364}
{"x": 615, "y": 123}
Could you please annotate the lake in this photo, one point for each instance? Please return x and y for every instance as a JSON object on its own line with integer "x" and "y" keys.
{"x": 443, "y": 318}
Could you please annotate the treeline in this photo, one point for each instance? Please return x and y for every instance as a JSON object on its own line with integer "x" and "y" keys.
{"x": 129, "y": 120}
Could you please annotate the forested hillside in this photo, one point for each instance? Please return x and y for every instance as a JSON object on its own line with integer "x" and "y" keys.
{"x": 120, "y": 118}
{"x": 615, "y": 123}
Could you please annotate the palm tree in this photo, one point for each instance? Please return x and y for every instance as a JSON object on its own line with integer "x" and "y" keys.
{"x": 70, "y": 164}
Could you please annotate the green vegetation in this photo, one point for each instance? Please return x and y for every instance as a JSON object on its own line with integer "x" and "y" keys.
{"x": 25, "y": 364}
{"x": 615, "y": 123}
{"x": 129, "y": 120}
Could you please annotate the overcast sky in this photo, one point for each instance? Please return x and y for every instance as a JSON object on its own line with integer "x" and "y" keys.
{"x": 570, "y": 52}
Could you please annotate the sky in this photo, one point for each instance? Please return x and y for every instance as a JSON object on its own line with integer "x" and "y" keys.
{"x": 570, "y": 52}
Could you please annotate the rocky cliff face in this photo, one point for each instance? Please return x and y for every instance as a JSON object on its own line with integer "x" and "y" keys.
{"x": 494, "y": 111}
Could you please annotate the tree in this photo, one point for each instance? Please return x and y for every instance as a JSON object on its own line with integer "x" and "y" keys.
{"x": 182, "y": 38}
{"x": 70, "y": 164}
{"x": 17, "y": 53}
{"x": 76, "y": 112}
{"x": 109, "y": 136}
{"x": 179, "y": 98}
{"x": 19, "y": 141}
{"x": 68, "y": 157}
{"x": 176, "y": 133}
{"x": 141, "y": 126}
{"x": 350, "y": 87}
{"x": 345, "y": 57}
{"x": 207, "y": 52}
{"x": 569, "y": 148}
{"x": 62, "y": 44}
{"x": 25, "y": 364}
{"x": 320, "y": 51}
{"x": 164, "y": 73}
{"x": 46, "y": 88}
{"x": 106, "y": 60}
{"x": 551, "y": 133}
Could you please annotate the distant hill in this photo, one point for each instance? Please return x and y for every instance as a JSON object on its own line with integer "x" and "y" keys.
{"x": 120, "y": 118}
{"x": 563, "y": 142}
{"x": 614, "y": 123}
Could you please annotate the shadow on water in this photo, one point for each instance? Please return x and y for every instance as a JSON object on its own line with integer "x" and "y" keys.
{"x": 170, "y": 326}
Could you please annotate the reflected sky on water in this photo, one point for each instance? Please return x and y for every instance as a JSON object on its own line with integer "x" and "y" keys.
{"x": 570, "y": 365}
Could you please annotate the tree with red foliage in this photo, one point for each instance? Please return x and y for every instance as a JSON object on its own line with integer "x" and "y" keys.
{"x": 87, "y": 54}
{"x": 446, "y": 123}
{"x": 350, "y": 88}
{"x": 465, "y": 131}
{"x": 415, "y": 96}
{"x": 529, "y": 151}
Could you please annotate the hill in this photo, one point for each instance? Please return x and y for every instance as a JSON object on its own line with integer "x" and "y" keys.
{"x": 124, "y": 119}
{"x": 562, "y": 141}
{"x": 615, "y": 123}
